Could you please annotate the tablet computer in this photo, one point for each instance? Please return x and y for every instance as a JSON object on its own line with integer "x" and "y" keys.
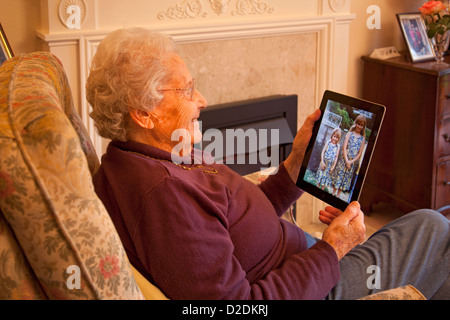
{"x": 341, "y": 146}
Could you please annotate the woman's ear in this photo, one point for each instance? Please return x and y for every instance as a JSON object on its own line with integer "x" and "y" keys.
{"x": 142, "y": 118}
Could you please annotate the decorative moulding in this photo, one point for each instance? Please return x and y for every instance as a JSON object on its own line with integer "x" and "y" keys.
{"x": 219, "y": 6}
{"x": 183, "y": 10}
{"x": 244, "y": 7}
{"x": 336, "y": 5}
{"x": 197, "y": 8}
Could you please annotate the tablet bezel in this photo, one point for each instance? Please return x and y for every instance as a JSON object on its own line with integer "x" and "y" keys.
{"x": 379, "y": 111}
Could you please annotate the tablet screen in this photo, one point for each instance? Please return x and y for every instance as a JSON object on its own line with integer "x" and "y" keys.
{"x": 338, "y": 155}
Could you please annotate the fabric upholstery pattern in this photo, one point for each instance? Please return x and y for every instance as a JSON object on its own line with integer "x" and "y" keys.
{"x": 46, "y": 195}
{"x": 17, "y": 280}
{"x": 401, "y": 293}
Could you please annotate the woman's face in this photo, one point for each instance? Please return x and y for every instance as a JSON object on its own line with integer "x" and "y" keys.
{"x": 177, "y": 114}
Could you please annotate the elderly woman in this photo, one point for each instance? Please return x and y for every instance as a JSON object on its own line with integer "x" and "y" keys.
{"x": 199, "y": 230}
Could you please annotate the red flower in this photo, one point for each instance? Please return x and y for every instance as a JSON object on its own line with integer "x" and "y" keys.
{"x": 109, "y": 266}
{"x": 6, "y": 185}
{"x": 432, "y": 7}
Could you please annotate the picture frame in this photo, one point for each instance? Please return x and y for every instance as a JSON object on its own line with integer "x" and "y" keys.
{"x": 414, "y": 32}
{"x": 6, "y": 51}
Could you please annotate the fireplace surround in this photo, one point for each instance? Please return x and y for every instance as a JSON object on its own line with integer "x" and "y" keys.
{"x": 291, "y": 47}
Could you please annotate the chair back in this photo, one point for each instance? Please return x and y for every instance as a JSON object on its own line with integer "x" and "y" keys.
{"x": 56, "y": 239}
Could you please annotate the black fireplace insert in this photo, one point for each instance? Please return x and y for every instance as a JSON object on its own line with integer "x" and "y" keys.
{"x": 256, "y": 133}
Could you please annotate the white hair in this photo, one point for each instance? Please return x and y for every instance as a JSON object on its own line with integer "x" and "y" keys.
{"x": 126, "y": 71}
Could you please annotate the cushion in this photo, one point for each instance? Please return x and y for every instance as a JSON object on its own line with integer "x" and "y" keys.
{"x": 66, "y": 239}
{"x": 149, "y": 290}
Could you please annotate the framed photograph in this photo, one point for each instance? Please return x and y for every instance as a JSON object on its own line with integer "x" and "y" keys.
{"x": 6, "y": 51}
{"x": 415, "y": 34}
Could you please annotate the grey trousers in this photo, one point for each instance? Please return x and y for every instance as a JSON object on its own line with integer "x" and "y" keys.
{"x": 414, "y": 250}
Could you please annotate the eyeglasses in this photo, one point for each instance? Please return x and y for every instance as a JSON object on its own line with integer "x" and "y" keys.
{"x": 187, "y": 93}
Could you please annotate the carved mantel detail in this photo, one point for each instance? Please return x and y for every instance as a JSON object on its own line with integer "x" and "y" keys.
{"x": 190, "y": 9}
{"x": 219, "y": 6}
{"x": 184, "y": 10}
{"x": 244, "y": 7}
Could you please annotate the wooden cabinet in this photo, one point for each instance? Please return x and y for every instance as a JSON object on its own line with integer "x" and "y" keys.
{"x": 410, "y": 168}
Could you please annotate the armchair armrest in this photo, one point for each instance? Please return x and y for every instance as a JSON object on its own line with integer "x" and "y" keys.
{"x": 402, "y": 293}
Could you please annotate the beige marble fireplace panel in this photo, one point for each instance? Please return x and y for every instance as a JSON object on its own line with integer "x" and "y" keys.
{"x": 233, "y": 70}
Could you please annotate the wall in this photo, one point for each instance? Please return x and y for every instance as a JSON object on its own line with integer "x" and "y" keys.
{"x": 363, "y": 41}
{"x": 21, "y": 19}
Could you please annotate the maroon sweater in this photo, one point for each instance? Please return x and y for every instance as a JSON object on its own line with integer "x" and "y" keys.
{"x": 202, "y": 235}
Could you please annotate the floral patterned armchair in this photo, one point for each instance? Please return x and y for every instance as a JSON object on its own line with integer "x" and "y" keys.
{"x": 56, "y": 239}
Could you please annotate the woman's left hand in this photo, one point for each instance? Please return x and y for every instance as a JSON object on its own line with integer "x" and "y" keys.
{"x": 328, "y": 214}
{"x": 301, "y": 141}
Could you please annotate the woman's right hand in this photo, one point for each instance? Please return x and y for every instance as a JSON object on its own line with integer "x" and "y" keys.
{"x": 294, "y": 161}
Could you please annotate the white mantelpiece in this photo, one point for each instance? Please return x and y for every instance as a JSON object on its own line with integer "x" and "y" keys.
{"x": 323, "y": 26}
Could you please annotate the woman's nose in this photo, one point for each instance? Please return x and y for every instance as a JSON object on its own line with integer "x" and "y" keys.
{"x": 201, "y": 100}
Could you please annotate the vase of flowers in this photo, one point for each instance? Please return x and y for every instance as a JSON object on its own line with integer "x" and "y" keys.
{"x": 437, "y": 20}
